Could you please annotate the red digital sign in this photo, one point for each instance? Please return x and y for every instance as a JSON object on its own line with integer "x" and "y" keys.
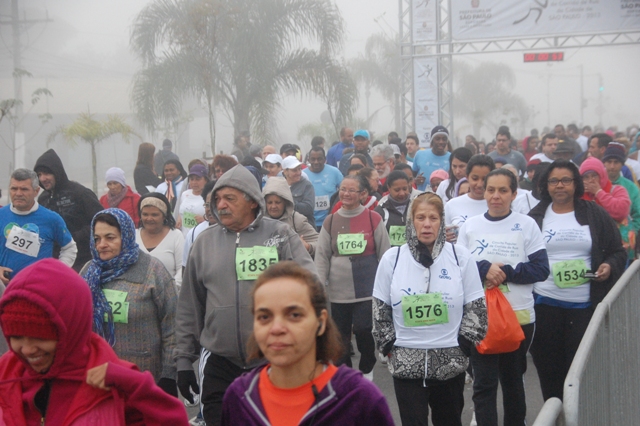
{"x": 544, "y": 57}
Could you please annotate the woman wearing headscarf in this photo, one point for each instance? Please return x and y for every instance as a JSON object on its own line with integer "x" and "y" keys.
{"x": 120, "y": 194}
{"x": 174, "y": 177}
{"x": 76, "y": 379}
{"x": 279, "y": 202}
{"x": 134, "y": 298}
{"x": 428, "y": 348}
{"x": 157, "y": 234}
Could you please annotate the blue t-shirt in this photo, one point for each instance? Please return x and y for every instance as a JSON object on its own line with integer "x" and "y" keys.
{"x": 426, "y": 162}
{"x": 49, "y": 226}
{"x": 325, "y": 184}
{"x": 335, "y": 153}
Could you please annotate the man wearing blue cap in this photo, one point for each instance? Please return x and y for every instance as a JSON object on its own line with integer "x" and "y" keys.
{"x": 429, "y": 160}
{"x": 360, "y": 146}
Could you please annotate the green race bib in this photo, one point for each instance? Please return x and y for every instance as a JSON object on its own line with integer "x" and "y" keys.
{"x": 189, "y": 220}
{"x": 251, "y": 261}
{"x": 424, "y": 309}
{"x": 569, "y": 273}
{"x": 397, "y": 235}
{"x": 351, "y": 244}
{"x": 119, "y": 308}
{"x": 504, "y": 288}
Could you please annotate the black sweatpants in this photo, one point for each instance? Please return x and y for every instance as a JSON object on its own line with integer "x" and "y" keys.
{"x": 508, "y": 369}
{"x": 415, "y": 396}
{"x": 558, "y": 334}
{"x": 218, "y": 374}
{"x": 358, "y": 316}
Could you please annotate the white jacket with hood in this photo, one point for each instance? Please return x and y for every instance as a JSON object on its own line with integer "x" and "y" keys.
{"x": 214, "y": 306}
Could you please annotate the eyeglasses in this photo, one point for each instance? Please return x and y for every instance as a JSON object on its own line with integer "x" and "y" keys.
{"x": 565, "y": 181}
{"x": 590, "y": 176}
{"x": 350, "y": 191}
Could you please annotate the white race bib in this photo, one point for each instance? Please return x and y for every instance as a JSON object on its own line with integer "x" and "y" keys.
{"x": 322, "y": 202}
{"x": 23, "y": 241}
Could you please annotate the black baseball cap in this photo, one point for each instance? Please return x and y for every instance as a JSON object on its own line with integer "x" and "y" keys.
{"x": 288, "y": 147}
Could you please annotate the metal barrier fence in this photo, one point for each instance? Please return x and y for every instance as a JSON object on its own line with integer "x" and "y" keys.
{"x": 602, "y": 387}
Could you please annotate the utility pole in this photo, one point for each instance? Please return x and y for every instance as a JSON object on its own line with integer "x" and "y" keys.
{"x": 18, "y": 145}
{"x": 18, "y": 138}
{"x": 549, "y": 100}
{"x": 583, "y": 102}
{"x": 600, "y": 99}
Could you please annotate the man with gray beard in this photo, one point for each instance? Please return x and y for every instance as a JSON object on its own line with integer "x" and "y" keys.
{"x": 214, "y": 319}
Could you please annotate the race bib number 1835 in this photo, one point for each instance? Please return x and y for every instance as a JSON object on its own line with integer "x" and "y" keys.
{"x": 251, "y": 261}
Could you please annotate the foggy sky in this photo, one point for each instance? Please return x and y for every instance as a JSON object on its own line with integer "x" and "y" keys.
{"x": 83, "y": 56}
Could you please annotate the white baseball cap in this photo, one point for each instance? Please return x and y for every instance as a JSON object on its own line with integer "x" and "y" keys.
{"x": 273, "y": 159}
{"x": 290, "y": 162}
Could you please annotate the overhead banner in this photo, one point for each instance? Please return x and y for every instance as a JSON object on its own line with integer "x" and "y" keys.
{"x": 482, "y": 19}
{"x": 423, "y": 14}
{"x": 425, "y": 95}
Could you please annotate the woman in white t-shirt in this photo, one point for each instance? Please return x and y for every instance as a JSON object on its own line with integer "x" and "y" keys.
{"x": 457, "y": 170}
{"x": 428, "y": 310}
{"x": 157, "y": 235}
{"x": 511, "y": 255}
{"x": 191, "y": 212}
{"x": 458, "y": 210}
{"x": 581, "y": 238}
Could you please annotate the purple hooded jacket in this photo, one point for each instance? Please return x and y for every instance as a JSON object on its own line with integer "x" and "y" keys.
{"x": 348, "y": 399}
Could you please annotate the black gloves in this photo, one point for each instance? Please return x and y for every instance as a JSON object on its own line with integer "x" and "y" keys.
{"x": 186, "y": 381}
{"x": 465, "y": 345}
{"x": 169, "y": 386}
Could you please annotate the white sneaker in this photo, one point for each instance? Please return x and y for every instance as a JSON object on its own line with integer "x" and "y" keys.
{"x": 368, "y": 376}
{"x": 382, "y": 358}
{"x": 473, "y": 420}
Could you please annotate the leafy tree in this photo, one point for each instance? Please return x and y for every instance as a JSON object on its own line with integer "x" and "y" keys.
{"x": 243, "y": 56}
{"x": 485, "y": 96}
{"x": 380, "y": 68}
{"x": 87, "y": 129}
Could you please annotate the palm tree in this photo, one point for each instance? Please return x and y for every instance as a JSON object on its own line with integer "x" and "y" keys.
{"x": 92, "y": 131}
{"x": 484, "y": 95}
{"x": 243, "y": 56}
{"x": 380, "y": 68}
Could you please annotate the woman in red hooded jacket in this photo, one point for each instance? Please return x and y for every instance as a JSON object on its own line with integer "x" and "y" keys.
{"x": 597, "y": 187}
{"x": 58, "y": 371}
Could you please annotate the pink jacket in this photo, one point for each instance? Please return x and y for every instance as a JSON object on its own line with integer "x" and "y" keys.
{"x": 613, "y": 198}
{"x": 134, "y": 398}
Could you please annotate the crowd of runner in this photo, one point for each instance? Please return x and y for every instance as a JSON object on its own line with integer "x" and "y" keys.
{"x": 240, "y": 282}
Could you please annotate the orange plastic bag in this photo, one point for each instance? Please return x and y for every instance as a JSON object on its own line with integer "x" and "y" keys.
{"x": 504, "y": 333}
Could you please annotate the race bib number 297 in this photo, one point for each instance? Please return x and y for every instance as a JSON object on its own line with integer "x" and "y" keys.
{"x": 23, "y": 241}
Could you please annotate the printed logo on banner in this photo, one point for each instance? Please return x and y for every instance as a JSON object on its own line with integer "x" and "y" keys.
{"x": 479, "y": 19}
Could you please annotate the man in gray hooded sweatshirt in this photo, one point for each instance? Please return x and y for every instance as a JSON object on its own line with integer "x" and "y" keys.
{"x": 213, "y": 318}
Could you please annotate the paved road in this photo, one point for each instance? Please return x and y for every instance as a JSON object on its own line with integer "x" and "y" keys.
{"x": 382, "y": 378}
